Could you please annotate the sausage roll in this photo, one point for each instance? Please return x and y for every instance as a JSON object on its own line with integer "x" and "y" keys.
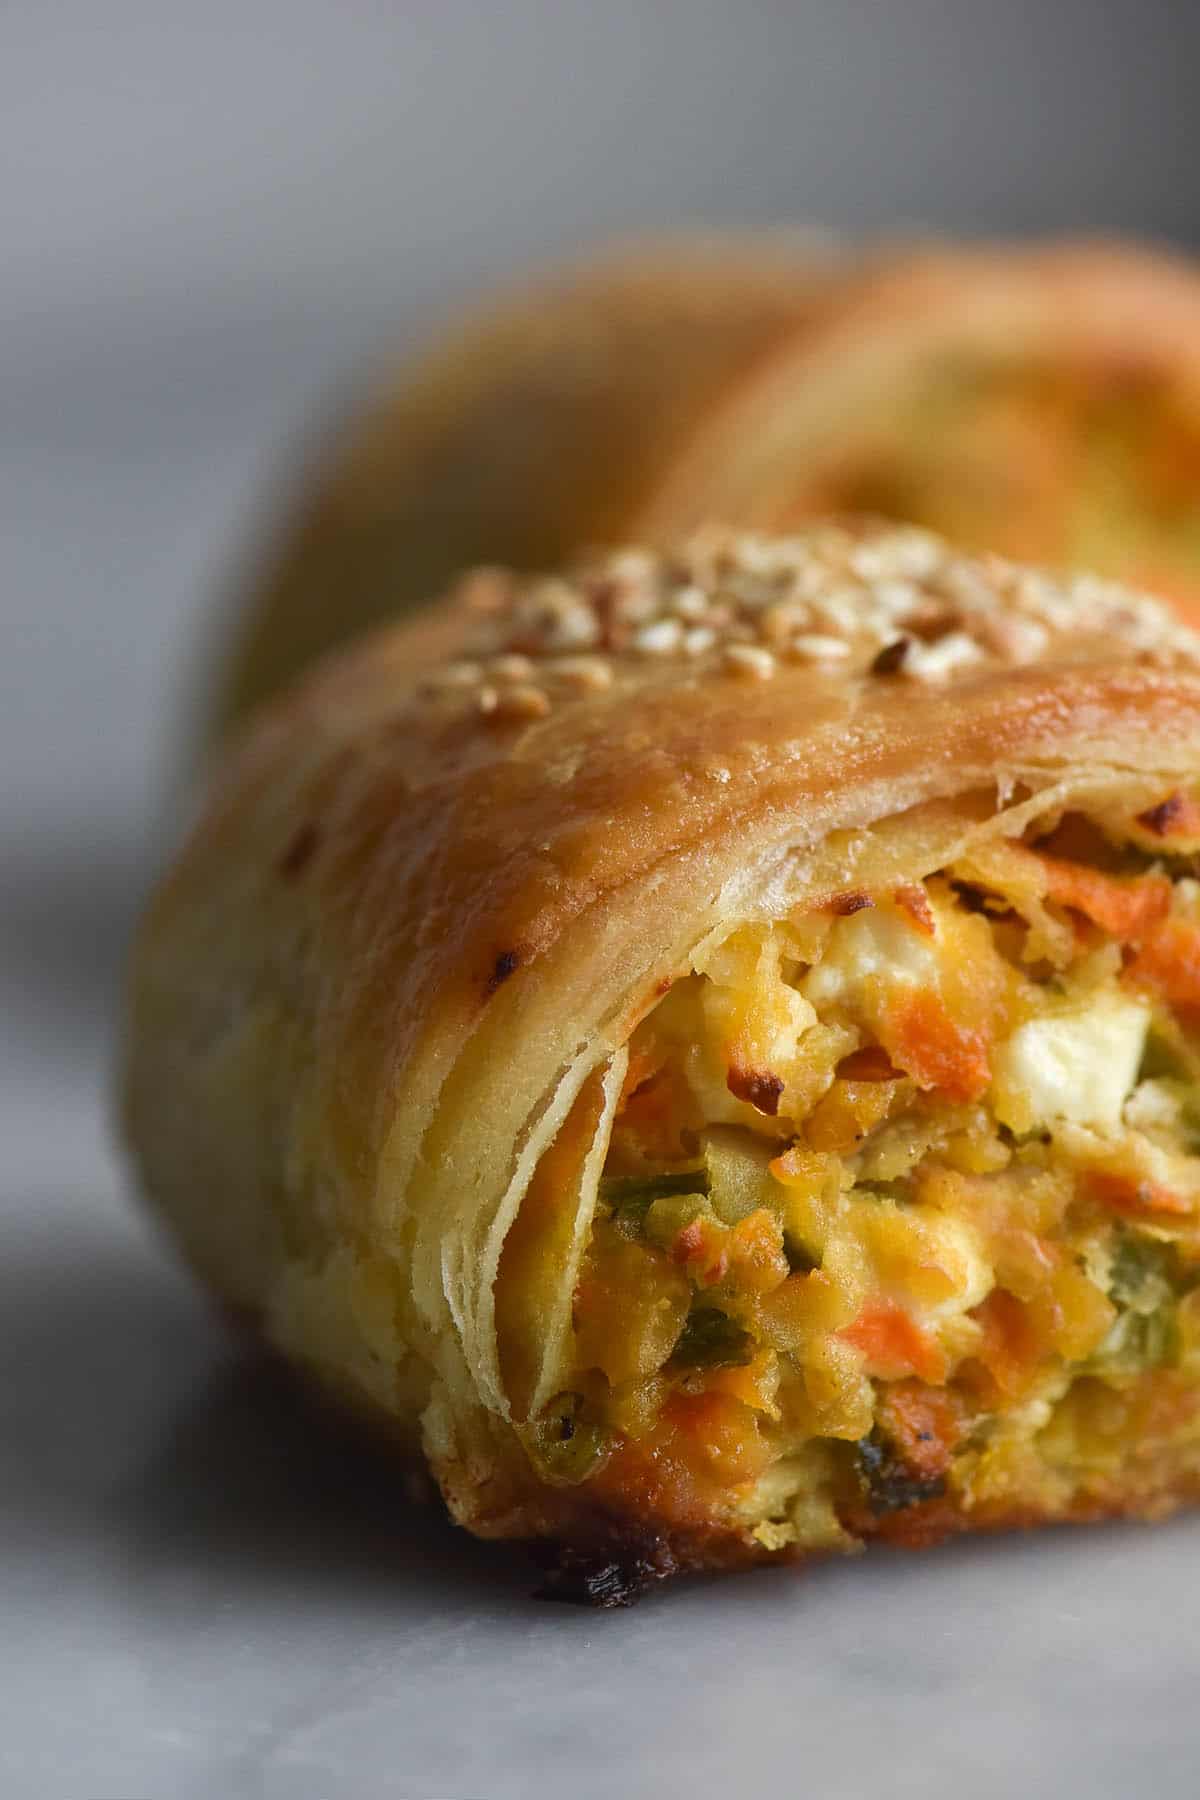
{"x": 1043, "y": 403}
{"x": 705, "y": 1049}
{"x": 535, "y": 427}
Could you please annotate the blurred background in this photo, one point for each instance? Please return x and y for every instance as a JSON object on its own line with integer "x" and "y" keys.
{"x": 213, "y": 217}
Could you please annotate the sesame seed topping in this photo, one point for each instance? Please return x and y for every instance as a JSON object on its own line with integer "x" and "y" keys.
{"x": 751, "y": 660}
{"x": 511, "y": 668}
{"x": 662, "y": 638}
{"x": 588, "y": 673}
{"x": 699, "y": 639}
{"x": 520, "y": 703}
{"x": 868, "y": 600}
{"x": 811, "y": 646}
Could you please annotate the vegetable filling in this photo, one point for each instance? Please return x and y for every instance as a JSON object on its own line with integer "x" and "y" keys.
{"x": 900, "y": 1216}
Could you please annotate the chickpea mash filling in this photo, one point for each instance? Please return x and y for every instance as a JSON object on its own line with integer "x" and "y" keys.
{"x": 901, "y": 1209}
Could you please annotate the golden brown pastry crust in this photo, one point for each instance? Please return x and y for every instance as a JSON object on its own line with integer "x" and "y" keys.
{"x": 816, "y": 428}
{"x": 533, "y": 429}
{"x": 434, "y": 889}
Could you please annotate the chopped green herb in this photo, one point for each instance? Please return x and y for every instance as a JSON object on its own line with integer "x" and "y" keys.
{"x": 1141, "y": 1277}
{"x": 632, "y": 1196}
{"x": 710, "y": 1339}
{"x": 1139, "y": 1341}
{"x": 564, "y": 1446}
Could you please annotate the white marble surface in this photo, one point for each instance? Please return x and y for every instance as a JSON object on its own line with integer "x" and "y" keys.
{"x": 207, "y": 212}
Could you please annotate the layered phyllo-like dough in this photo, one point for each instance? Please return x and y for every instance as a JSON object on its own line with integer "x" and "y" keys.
{"x": 705, "y": 1049}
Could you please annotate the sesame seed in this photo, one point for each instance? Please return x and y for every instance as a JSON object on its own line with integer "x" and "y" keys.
{"x": 699, "y": 639}
{"x": 933, "y": 662}
{"x": 510, "y": 668}
{"x": 813, "y": 647}
{"x": 780, "y": 622}
{"x": 750, "y": 660}
{"x": 897, "y": 601}
{"x": 520, "y": 703}
{"x": 588, "y": 673}
{"x": 690, "y": 602}
{"x": 661, "y": 638}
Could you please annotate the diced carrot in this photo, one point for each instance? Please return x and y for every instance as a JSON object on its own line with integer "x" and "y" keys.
{"x": 1126, "y": 1194}
{"x": 924, "y": 1423}
{"x": 702, "y": 1248}
{"x": 718, "y": 1436}
{"x": 756, "y": 1257}
{"x": 1168, "y": 962}
{"x": 894, "y": 1345}
{"x": 1011, "y": 1347}
{"x": 928, "y": 1044}
{"x": 755, "y": 1384}
{"x": 1125, "y": 908}
{"x": 797, "y": 1167}
{"x": 915, "y": 902}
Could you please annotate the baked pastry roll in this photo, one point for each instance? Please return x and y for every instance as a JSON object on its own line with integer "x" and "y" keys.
{"x": 535, "y": 426}
{"x": 1041, "y": 402}
{"x": 704, "y": 1050}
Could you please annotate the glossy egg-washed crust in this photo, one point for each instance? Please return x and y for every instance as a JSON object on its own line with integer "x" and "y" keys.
{"x": 434, "y": 889}
{"x": 533, "y": 427}
{"x": 1039, "y": 401}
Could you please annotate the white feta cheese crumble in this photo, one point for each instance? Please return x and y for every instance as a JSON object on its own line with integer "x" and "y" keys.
{"x": 870, "y": 943}
{"x": 1076, "y": 1066}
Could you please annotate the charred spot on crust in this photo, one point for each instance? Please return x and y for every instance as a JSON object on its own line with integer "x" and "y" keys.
{"x": 602, "y": 1578}
{"x": 845, "y": 904}
{"x": 892, "y": 657}
{"x": 506, "y": 964}
{"x": 888, "y": 1484}
{"x": 665, "y": 985}
{"x": 300, "y": 852}
{"x": 761, "y": 1090}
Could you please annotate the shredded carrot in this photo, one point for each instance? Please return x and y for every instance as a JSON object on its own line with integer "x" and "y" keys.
{"x": 928, "y": 1044}
{"x": 894, "y": 1345}
{"x": 1126, "y": 1194}
{"x": 1125, "y": 908}
{"x": 1168, "y": 961}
